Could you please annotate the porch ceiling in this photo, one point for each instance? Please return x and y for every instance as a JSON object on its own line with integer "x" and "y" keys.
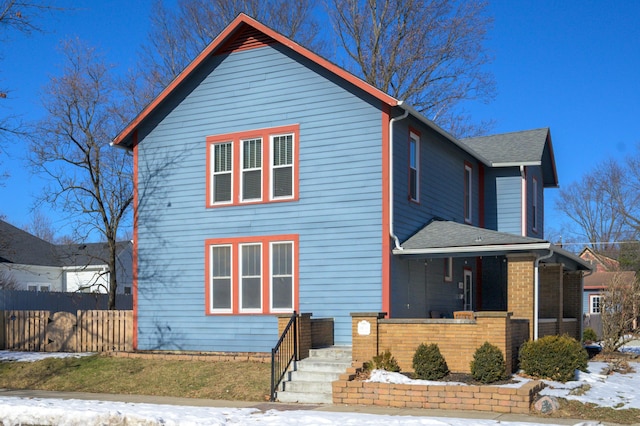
{"x": 441, "y": 238}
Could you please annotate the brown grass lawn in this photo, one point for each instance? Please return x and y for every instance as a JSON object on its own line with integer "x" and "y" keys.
{"x": 231, "y": 380}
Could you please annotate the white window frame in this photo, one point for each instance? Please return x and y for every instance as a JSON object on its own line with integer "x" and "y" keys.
{"x": 241, "y": 278}
{"x": 211, "y": 277}
{"x": 592, "y": 299}
{"x": 214, "y": 173}
{"x": 448, "y": 269}
{"x": 468, "y": 193}
{"x": 414, "y": 139}
{"x": 244, "y": 170}
{"x": 273, "y": 167}
{"x": 292, "y": 275}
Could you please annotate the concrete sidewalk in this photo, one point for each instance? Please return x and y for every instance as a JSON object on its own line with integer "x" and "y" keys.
{"x": 266, "y": 406}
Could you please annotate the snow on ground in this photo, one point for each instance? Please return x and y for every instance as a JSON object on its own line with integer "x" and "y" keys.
{"x": 616, "y": 390}
{"x": 38, "y": 356}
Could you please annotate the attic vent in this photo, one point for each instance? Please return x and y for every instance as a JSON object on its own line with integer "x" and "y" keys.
{"x": 244, "y": 39}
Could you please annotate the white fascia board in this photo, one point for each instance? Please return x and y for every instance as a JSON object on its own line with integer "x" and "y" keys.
{"x": 477, "y": 249}
{"x": 517, "y": 164}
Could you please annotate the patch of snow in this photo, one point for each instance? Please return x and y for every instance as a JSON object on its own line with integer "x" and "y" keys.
{"x": 38, "y": 356}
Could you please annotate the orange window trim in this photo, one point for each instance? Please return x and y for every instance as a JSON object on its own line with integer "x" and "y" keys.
{"x": 235, "y": 244}
{"x": 236, "y": 170}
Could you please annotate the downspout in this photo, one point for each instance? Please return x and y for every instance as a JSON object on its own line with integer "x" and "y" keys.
{"x": 536, "y": 292}
{"x": 391, "y": 198}
{"x": 523, "y": 201}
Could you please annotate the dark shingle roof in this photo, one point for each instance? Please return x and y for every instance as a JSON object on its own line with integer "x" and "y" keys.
{"x": 446, "y": 234}
{"x": 528, "y": 147}
{"x": 20, "y": 247}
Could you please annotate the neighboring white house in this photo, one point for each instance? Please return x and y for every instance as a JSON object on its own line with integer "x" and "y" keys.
{"x": 30, "y": 263}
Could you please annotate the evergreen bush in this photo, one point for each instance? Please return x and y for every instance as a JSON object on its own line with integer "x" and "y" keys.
{"x": 488, "y": 364}
{"x": 553, "y": 357}
{"x": 589, "y": 335}
{"x": 383, "y": 361}
{"x": 428, "y": 363}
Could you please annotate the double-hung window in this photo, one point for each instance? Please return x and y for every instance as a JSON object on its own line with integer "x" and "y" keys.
{"x": 468, "y": 191}
{"x": 534, "y": 205}
{"x": 257, "y": 166}
{"x": 251, "y": 275}
{"x": 595, "y": 304}
{"x": 414, "y": 166}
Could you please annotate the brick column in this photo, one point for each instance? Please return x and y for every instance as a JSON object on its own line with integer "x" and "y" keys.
{"x": 520, "y": 287}
{"x": 573, "y": 299}
{"x": 304, "y": 331}
{"x": 364, "y": 335}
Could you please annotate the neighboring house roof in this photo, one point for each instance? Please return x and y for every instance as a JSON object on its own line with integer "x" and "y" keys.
{"x": 441, "y": 238}
{"x": 601, "y": 280}
{"x": 89, "y": 254}
{"x": 20, "y": 247}
{"x": 524, "y": 148}
{"x": 602, "y": 262}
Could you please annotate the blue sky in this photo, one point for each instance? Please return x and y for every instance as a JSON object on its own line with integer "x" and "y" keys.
{"x": 569, "y": 65}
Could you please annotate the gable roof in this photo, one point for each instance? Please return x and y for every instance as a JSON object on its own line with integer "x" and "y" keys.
{"x": 601, "y": 280}
{"x": 524, "y": 148}
{"x": 244, "y": 32}
{"x": 443, "y": 238}
{"x": 20, "y": 247}
{"x": 602, "y": 262}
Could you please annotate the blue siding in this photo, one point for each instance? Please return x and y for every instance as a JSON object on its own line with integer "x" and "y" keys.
{"x": 503, "y": 205}
{"x": 338, "y": 216}
{"x": 441, "y": 181}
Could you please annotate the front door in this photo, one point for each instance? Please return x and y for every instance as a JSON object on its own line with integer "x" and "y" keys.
{"x": 468, "y": 290}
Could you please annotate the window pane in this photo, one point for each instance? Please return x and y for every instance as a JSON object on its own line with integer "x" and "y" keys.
{"x": 412, "y": 154}
{"x": 282, "y": 150}
{"x": 282, "y": 292}
{"x": 222, "y": 157}
{"x": 221, "y": 277}
{"x": 252, "y": 185}
{"x": 283, "y": 182}
{"x": 222, "y": 187}
{"x": 252, "y": 154}
{"x": 251, "y": 291}
{"x": 413, "y": 184}
{"x": 282, "y": 276}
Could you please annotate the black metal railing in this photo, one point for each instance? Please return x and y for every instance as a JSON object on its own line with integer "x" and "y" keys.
{"x": 284, "y": 353}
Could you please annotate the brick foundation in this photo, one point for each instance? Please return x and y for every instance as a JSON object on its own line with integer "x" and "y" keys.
{"x": 443, "y": 397}
{"x": 262, "y": 357}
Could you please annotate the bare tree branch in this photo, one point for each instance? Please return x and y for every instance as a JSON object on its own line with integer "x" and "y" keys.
{"x": 90, "y": 180}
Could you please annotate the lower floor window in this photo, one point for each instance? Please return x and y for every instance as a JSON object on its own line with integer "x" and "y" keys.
{"x": 251, "y": 274}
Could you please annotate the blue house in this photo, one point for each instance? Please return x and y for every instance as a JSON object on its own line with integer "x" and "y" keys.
{"x": 268, "y": 180}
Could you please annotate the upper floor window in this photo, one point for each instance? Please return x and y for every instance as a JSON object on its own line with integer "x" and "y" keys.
{"x": 595, "y": 304}
{"x": 468, "y": 191}
{"x": 414, "y": 166}
{"x": 251, "y": 275}
{"x": 534, "y": 204}
{"x": 252, "y": 167}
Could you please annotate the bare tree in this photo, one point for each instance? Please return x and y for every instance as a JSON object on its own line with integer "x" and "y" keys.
{"x": 620, "y": 312}
{"x": 8, "y": 281}
{"x": 427, "y": 52}
{"x": 90, "y": 180}
{"x": 593, "y": 206}
{"x": 178, "y": 35}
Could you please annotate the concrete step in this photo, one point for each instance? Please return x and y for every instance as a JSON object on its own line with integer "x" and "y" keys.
{"x": 310, "y": 381}
{"x": 305, "y": 397}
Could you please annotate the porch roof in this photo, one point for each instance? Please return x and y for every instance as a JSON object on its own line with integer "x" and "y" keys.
{"x": 442, "y": 238}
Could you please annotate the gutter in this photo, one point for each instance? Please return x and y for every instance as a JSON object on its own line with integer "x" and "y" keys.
{"x": 478, "y": 249}
{"x": 536, "y": 292}
{"x": 391, "y": 198}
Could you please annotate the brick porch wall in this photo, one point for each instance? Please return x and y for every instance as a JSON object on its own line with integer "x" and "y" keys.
{"x": 443, "y": 397}
{"x": 457, "y": 339}
{"x": 520, "y": 296}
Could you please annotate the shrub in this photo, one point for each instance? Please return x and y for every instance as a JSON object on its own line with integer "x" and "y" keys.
{"x": 553, "y": 357}
{"x": 428, "y": 363}
{"x": 488, "y": 364}
{"x": 589, "y": 335}
{"x": 383, "y": 361}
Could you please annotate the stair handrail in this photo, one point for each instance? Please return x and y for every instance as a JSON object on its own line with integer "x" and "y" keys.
{"x": 284, "y": 353}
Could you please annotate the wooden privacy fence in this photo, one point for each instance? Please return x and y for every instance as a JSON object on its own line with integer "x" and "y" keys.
{"x": 88, "y": 331}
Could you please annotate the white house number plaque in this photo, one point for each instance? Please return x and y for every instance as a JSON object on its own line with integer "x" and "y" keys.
{"x": 364, "y": 328}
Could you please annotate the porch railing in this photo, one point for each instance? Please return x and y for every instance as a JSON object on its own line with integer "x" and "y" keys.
{"x": 284, "y": 353}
